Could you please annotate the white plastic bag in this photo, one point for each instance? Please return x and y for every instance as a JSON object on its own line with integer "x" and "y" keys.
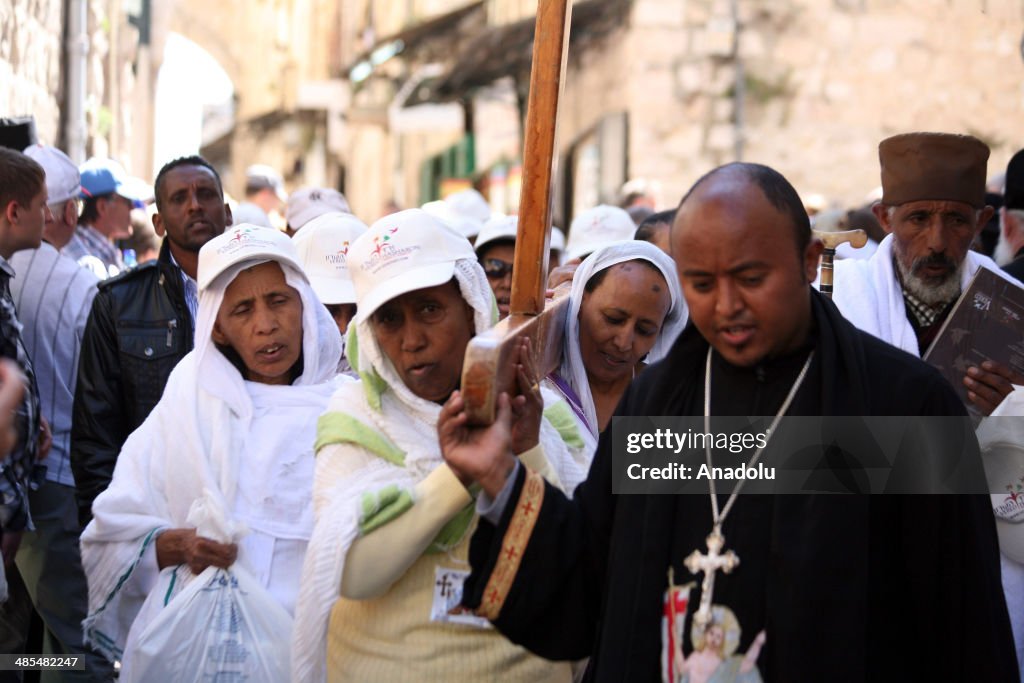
{"x": 222, "y": 626}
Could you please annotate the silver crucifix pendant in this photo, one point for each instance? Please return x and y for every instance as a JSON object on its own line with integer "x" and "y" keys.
{"x": 714, "y": 560}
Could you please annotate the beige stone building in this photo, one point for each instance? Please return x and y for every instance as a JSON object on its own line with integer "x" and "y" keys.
{"x": 405, "y": 100}
{"x": 83, "y": 69}
{"x": 283, "y": 58}
{"x": 30, "y": 62}
{"x": 667, "y": 89}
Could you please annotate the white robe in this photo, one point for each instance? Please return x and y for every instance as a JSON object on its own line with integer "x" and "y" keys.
{"x": 197, "y": 440}
{"x": 869, "y": 295}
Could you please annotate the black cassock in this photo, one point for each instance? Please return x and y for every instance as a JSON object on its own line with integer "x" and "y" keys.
{"x": 847, "y": 588}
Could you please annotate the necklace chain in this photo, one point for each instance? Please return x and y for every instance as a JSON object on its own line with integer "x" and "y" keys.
{"x": 719, "y": 518}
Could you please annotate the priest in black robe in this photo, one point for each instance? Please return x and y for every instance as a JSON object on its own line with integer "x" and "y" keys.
{"x": 844, "y": 587}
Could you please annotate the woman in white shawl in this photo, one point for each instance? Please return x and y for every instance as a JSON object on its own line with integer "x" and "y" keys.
{"x": 625, "y": 311}
{"x": 387, "y": 559}
{"x": 237, "y": 422}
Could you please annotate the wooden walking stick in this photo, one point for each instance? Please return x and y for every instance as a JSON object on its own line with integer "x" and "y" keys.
{"x": 487, "y": 369}
{"x": 832, "y": 240}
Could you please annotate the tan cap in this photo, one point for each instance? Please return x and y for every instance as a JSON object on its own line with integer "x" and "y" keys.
{"x": 933, "y": 166}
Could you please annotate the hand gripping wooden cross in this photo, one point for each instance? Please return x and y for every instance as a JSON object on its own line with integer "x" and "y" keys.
{"x": 832, "y": 240}
{"x": 487, "y": 369}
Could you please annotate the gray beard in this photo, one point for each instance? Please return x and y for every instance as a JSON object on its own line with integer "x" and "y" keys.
{"x": 927, "y": 293}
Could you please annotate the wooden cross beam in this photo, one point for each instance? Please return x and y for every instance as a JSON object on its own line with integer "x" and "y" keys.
{"x": 487, "y": 371}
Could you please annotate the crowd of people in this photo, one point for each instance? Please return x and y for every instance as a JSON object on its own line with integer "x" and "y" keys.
{"x": 284, "y": 362}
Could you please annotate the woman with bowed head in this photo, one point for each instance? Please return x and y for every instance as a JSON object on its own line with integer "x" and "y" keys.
{"x": 388, "y": 557}
{"x": 626, "y": 309}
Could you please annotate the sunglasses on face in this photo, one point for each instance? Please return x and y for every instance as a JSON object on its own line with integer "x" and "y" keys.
{"x": 496, "y": 268}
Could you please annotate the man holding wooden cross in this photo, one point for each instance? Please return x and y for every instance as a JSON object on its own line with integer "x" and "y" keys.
{"x": 790, "y": 588}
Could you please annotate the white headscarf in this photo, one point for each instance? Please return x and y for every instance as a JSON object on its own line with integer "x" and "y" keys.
{"x": 188, "y": 446}
{"x": 376, "y": 370}
{"x": 384, "y": 403}
{"x": 572, "y": 369}
{"x": 321, "y": 341}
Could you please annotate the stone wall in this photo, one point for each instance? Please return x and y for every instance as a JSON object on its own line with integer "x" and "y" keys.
{"x": 118, "y": 117}
{"x": 825, "y": 81}
{"x": 30, "y": 62}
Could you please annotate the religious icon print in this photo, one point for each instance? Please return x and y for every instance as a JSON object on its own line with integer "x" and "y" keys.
{"x": 673, "y": 621}
{"x": 713, "y": 658}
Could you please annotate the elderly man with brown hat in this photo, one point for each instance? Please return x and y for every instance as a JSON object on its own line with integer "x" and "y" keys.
{"x": 933, "y": 206}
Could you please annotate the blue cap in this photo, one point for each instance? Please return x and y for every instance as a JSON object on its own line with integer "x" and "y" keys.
{"x": 106, "y": 176}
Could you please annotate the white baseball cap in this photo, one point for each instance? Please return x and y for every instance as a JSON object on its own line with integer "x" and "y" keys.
{"x": 597, "y": 227}
{"x": 1001, "y": 437}
{"x": 260, "y": 175}
{"x": 247, "y": 212}
{"x": 323, "y": 245}
{"x": 62, "y": 179}
{"x": 465, "y": 225}
{"x": 401, "y": 253}
{"x": 470, "y": 203}
{"x": 307, "y": 203}
{"x": 497, "y": 228}
{"x": 244, "y": 242}
{"x": 557, "y": 239}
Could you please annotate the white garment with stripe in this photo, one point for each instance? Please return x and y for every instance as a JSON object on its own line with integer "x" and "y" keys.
{"x": 382, "y": 402}
{"x": 212, "y": 431}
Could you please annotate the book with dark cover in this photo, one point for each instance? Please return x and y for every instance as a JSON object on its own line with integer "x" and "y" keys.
{"x": 987, "y": 323}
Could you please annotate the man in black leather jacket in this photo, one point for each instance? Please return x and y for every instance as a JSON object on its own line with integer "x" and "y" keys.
{"x": 141, "y": 325}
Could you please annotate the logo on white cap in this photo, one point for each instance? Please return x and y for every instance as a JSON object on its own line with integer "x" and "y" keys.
{"x": 385, "y": 252}
{"x": 340, "y": 258}
{"x": 1012, "y": 507}
{"x": 242, "y": 238}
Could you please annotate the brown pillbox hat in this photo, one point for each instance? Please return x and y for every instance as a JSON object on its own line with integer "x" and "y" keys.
{"x": 933, "y": 166}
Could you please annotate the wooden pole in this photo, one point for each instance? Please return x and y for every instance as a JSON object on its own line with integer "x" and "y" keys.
{"x": 547, "y": 73}
{"x": 487, "y": 369}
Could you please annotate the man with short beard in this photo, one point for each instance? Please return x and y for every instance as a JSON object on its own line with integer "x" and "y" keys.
{"x": 141, "y": 325}
{"x": 933, "y": 206}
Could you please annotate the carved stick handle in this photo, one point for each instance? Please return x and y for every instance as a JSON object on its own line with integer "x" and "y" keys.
{"x": 857, "y": 238}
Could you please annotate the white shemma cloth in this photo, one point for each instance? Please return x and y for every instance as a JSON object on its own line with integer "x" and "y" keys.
{"x": 203, "y": 436}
